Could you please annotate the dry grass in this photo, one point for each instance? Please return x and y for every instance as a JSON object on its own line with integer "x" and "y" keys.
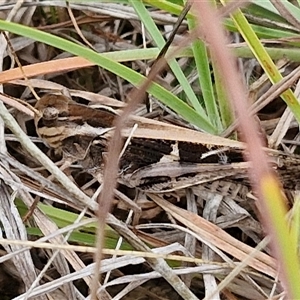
{"x": 198, "y": 242}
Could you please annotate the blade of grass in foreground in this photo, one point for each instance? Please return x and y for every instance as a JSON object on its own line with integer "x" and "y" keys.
{"x": 285, "y": 239}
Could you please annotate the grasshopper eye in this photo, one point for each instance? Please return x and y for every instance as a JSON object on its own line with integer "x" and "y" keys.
{"x": 50, "y": 113}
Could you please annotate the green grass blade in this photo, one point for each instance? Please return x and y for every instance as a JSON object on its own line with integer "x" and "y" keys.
{"x": 223, "y": 102}
{"x": 261, "y": 31}
{"x": 166, "y": 5}
{"x": 294, "y": 10}
{"x": 205, "y": 79}
{"x": 285, "y": 240}
{"x": 292, "y": 54}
